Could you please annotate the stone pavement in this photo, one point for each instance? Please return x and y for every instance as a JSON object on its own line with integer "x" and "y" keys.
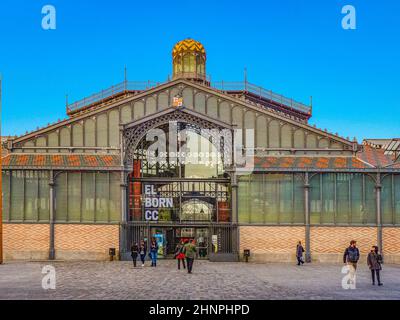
{"x": 119, "y": 280}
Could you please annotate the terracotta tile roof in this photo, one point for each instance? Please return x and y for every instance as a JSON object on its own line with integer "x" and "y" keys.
{"x": 309, "y": 162}
{"x": 60, "y": 160}
{"x": 375, "y": 157}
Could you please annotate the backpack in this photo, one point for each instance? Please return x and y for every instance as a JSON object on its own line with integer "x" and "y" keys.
{"x": 352, "y": 254}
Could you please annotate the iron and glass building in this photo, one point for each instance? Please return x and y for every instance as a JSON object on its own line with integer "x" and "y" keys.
{"x": 80, "y": 186}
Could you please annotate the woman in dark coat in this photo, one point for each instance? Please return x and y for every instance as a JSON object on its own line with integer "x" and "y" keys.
{"x": 154, "y": 252}
{"x": 134, "y": 253}
{"x": 142, "y": 251}
{"x": 374, "y": 262}
{"x": 299, "y": 253}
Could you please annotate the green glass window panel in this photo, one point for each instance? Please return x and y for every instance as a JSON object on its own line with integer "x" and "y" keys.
{"x": 271, "y": 194}
{"x": 243, "y": 199}
{"x": 102, "y": 197}
{"x": 88, "y": 198}
{"x": 187, "y": 95}
{"x": 126, "y": 114}
{"x": 74, "y": 197}
{"x": 358, "y": 214}
{"x": 29, "y": 144}
{"x": 311, "y": 141}
{"x": 285, "y": 196}
{"x": 61, "y": 194}
{"x": 41, "y": 142}
{"x": 151, "y": 106}
{"x": 212, "y": 108}
{"x": 256, "y": 193}
{"x": 342, "y": 193}
{"x": 299, "y": 212}
{"x": 273, "y": 133}
{"x": 44, "y": 196}
{"x": 200, "y": 103}
{"x": 65, "y": 137}
{"x": 286, "y": 136}
{"x": 370, "y": 199}
{"x": 386, "y": 200}
{"x": 261, "y": 132}
{"x": 89, "y": 133}
{"x": 114, "y": 128}
{"x": 77, "y": 135}
{"x": 315, "y": 199}
{"x": 17, "y": 196}
{"x": 163, "y": 101}
{"x": 31, "y": 195}
{"x": 6, "y": 194}
{"x": 328, "y": 198}
{"x": 52, "y": 140}
{"x": 186, "y": 63}
{"x": 396, "y": 183}
{"x": 102, "y": 130}
{"x": 299, "y": 139}
{"x": 225, "y": 112}
{"x": 115, "y": 197}
{"x": 192, "y": 63}
{"x": 138, "y": 110}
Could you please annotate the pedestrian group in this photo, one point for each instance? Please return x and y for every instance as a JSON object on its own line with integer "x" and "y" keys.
{"x": 351, "y": 257}
{"x": 184, "y": 250}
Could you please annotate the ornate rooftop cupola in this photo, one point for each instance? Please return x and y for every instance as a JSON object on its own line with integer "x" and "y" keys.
{"x": 189, "y": 61}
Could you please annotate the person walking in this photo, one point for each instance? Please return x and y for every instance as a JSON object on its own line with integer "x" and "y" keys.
{"x": 134, "y": 253}
{"x": 190, "y": 253}
{"x": 142, "y": 251}
{"x": 351, "y": 257}
{"x": 299, "y": 253}
{"x": 153, "y": 252}
{"x": 180, "y": 255}
{"x": 374, "y": 261}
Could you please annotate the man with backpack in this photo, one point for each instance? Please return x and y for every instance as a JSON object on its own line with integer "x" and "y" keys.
{"x": 351, "y": 257}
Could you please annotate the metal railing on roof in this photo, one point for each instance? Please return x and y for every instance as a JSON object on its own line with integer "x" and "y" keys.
{"x": 262, "y": 93}
{"x": 132, "y": 86}
{"x": 124, "y": 86}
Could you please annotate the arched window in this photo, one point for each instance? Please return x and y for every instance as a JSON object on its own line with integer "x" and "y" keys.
{"x": 196, "y": 210}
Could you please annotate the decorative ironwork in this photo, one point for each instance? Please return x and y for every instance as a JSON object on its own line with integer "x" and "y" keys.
{"x": 132, "y": 136}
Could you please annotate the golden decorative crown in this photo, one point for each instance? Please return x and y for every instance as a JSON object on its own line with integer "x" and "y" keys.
{"x": 187, "y": 45}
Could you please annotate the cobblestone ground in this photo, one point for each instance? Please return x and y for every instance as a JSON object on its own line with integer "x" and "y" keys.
{"x": 119, "y": 280}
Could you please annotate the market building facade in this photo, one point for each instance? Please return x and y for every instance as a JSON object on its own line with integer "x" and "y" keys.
{"x": 120, "y": 169}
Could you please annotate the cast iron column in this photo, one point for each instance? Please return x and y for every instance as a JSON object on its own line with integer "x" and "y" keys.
{"x": 123, "y": 183}
{"x": 123, "y": 233}
{"x": 307, "y": 215}
{"x": 235, "y": 218}
{"x": 52, "y": 252}
{"x": 378, "y": 188}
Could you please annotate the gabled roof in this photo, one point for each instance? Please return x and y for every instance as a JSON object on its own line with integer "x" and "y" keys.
{"x": 165, "y": 86}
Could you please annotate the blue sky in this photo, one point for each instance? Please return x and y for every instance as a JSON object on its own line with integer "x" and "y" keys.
{"x": 294, "y": 47}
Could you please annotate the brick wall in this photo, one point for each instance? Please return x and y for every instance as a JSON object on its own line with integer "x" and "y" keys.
{"x": 88, "y": 242}
{"x": 328, "y": 243}
{"x": 26, "y": 241}
{"x": 391, "y": 244}
{"x": 271, "y": 244}
{"x": 72, "y": 242}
